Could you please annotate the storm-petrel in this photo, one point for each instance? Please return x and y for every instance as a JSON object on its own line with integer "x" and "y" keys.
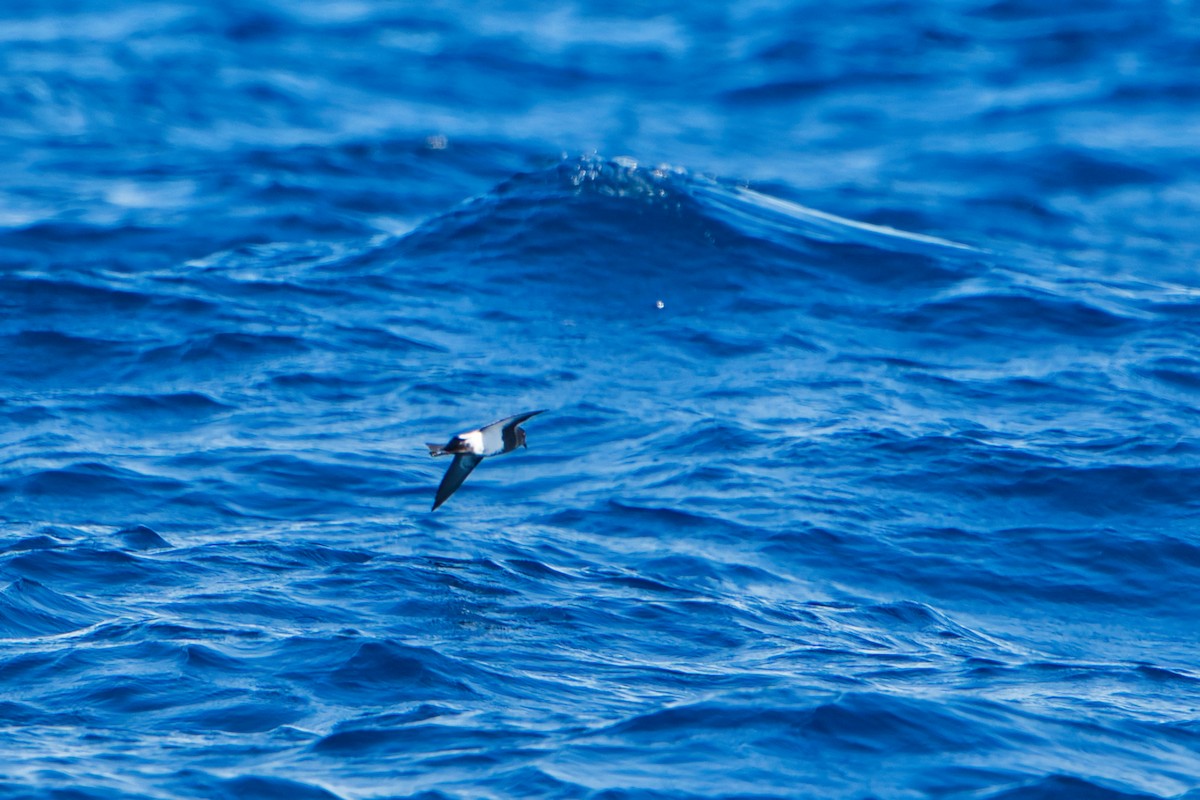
{"x": 468, "y": 449}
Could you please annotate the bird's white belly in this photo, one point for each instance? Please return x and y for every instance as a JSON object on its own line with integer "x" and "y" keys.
{"x": 492, "y": 441}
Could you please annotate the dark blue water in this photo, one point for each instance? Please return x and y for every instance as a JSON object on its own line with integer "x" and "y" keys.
{"x": 868, "y": 333}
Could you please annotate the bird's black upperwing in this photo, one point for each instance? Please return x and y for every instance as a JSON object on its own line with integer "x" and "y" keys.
{"x": 508, "y": 427}
{"x": 508, "y": 423}
{"x": 459, "y": 469}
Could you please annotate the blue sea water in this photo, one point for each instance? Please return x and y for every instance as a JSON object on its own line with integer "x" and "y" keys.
{"x": 867, "y": 333}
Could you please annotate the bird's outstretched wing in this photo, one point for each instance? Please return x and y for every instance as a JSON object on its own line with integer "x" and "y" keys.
{"x": 500, "y": 434}
{"x": 508, "y": 423}
{"x": 459, "y": 469}
{"x": 505, "y": 427}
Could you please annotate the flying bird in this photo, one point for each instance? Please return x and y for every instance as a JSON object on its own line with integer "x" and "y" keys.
{"x": 468, "y": 449}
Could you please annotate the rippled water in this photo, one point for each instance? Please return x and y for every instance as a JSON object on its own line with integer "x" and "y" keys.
{"x": 867, "y": 333}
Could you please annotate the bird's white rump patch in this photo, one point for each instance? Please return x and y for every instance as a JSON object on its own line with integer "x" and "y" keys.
{"x": 474, "y": 440}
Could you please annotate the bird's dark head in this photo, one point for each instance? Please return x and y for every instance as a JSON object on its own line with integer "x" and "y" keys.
{"x": 520, "y": 432}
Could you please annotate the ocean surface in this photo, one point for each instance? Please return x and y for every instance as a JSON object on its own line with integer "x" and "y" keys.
{"x": 868, "y": 334}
